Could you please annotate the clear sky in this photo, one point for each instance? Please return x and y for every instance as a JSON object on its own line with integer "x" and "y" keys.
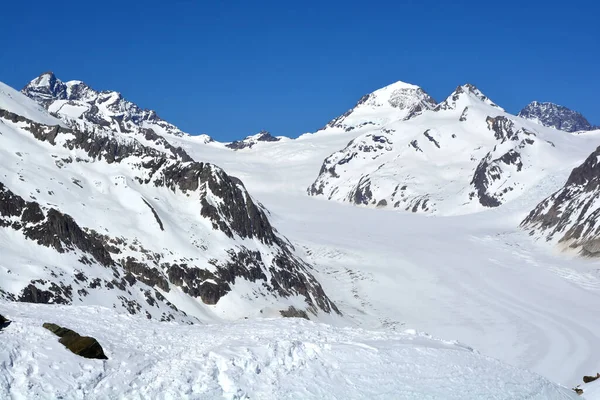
{"x": 230, "y": 68}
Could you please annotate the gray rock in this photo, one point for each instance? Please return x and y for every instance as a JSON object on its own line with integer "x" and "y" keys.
{"x": 83, "y": 346}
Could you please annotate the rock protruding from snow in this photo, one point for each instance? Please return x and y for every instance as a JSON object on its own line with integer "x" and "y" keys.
{"x": 571, "y": 216}
{"x": 398, "y": 101}
{"x": 249, "y": 141}
{"x": 83, "y": 346}
{"x": 108, "y": 109}
{"x": 556, "y": 116}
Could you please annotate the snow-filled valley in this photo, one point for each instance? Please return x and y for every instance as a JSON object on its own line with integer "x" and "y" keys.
{"x": 469, "y": 274}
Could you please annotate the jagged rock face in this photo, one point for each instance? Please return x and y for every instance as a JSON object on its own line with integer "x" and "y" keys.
{"x": 108, "y": 109}
{"x": 464, "y": 155}
{"x": 249, "y": 141}
{"x": 556, "y": 116}
{"x": 397, "y": 101}
{"x": 135, "y": 224}
{"x": 571, "y": 215}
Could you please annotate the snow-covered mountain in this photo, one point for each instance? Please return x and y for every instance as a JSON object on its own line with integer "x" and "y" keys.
{"x": 571, "y": 215}
{"x": 93, "y": 214}
{"x": 397, "y": 101}
{"x": 555, "y": 116}
{"x": 466, "y": 154}
{"x": 249, "y": 141}
{"x": 476, "y": 278}
{"x": 74, "y": 100}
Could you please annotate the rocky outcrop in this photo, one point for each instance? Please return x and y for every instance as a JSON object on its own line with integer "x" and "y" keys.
{"x": 83, "y": 346}
{"x": 556, "y": 116}
{"x": 3, "y": 322}
{"x": 248, "y": 142}
{"x": 571, "y": 215}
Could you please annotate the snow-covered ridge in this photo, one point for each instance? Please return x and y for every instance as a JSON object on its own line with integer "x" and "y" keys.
{"x": 131, "y": 221}
{"x": 76, "y": 100}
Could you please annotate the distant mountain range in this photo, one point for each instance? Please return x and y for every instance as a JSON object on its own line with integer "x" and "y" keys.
{"x": 76, "y": 160}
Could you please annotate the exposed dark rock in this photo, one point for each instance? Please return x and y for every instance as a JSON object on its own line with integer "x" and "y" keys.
{"x": 588, "y": 379}
{"x": 3, "y": 322}
{"x": 83, "y": 346}
{"x": 571, "y": 214}
{"x": 361, "y": 194}
{"x": 160, "y": 224}
{"x": 555, "y": 116}
{"x": 262, "y": 136}
{"x": 431, "y": 139}
{"x": 292, "y": 312}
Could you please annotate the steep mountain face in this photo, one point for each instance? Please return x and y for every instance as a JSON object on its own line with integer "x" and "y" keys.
{"x": 249, "y": 141}
{"x": 571, "y": 215}
{"x": 464, "y": 155}
{"x": 556, "y": 116}
{"x": 74, "y": 100}
{"x": 92, "y": 214}
{"x": 398, "y": 101}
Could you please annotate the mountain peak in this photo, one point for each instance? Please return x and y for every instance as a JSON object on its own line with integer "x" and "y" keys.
{"x": 74, "y": 100}
{"x": 44, "y": 79}
{"x": 555, "y": 116}
{"x": 397, "y": 101}
{"x": 467, "y": 93}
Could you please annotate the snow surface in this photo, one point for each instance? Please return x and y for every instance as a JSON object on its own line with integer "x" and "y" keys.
{"x": 16, "y": 102}
{"x": 268, "y": 359}
{"x": 475, "y": 278}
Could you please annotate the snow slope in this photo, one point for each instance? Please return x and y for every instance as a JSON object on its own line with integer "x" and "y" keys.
{"x": 476, "y": 278}
{"x": 90, "y": 215}
{"x": 275, "y": 359}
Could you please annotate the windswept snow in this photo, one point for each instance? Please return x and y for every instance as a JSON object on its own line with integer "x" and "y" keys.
{"x": 264, "y": 359}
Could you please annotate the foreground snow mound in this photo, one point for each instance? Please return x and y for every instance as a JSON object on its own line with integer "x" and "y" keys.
{"x": 283, "y": 359}
{"x": 90, "y": 214}
{"x": 464, "y": 156}
{"x": 571, "y": 215}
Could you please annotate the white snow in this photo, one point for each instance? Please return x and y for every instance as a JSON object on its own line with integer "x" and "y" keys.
{"x": 265, "y": 359}
{"x": 475, "y": 278}
{"x": 16, "y": 102}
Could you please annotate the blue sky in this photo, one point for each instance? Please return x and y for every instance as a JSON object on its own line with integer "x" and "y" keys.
{"x": 231, "y": 68}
